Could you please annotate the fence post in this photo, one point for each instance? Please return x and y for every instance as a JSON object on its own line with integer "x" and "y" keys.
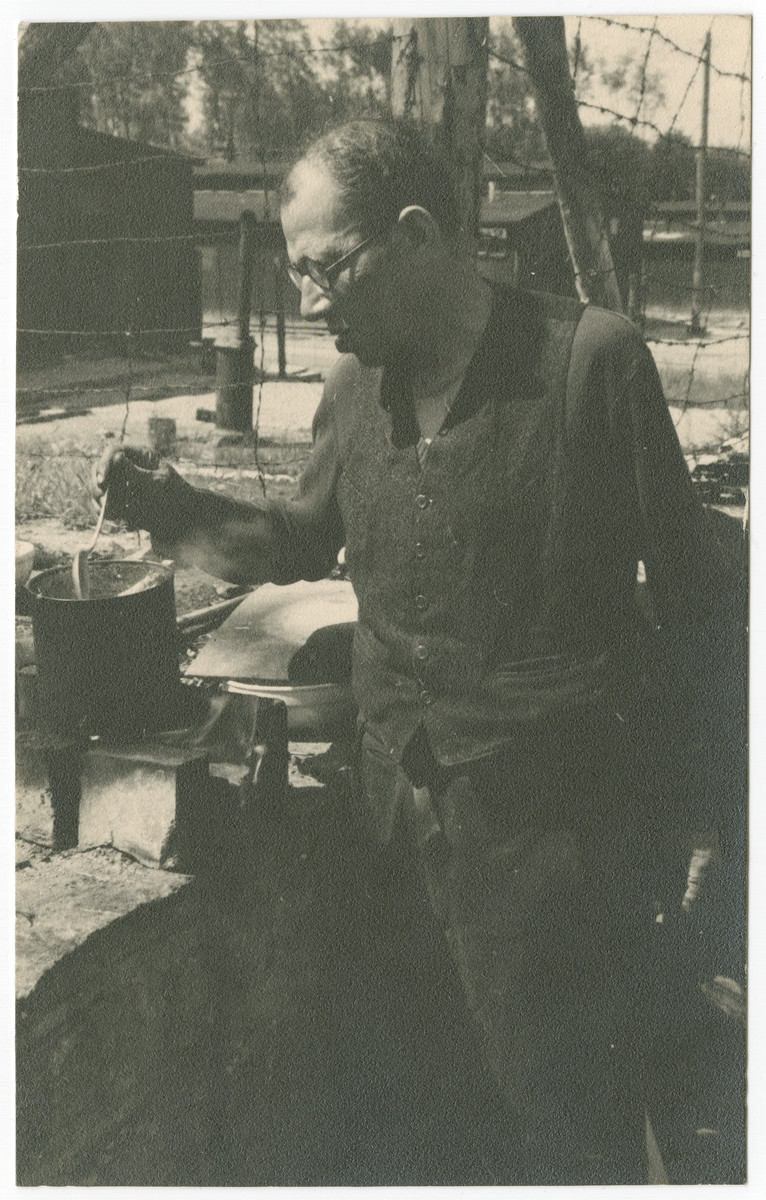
{"x": 234, "y": 355}
{"x": 698, "y": 278}
{"x": 279, "y": 304}
{"x": 440, "y": 78}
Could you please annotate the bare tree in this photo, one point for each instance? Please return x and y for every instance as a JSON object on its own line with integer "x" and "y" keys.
{"x": 547, "y": 61}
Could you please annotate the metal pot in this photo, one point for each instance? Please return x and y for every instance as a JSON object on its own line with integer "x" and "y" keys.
{"x": 109, "y": 664}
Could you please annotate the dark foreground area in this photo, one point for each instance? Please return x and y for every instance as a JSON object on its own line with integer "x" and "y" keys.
{"x": 257, "y": 1025}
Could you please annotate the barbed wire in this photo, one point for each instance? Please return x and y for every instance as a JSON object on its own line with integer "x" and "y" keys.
{"x": 700, "y": 343}
{"x": 115, "y": 240}
{"x": 684, "y": 98}
{"x": 75, "y": 333}
{"x": 744, "y": 83}
{"x": 606, "y": 111}
{"x": 192, "y": 465}
{"x": 94, "y": 168}
{"x": 509, "y": 62}
{"x": 222, "y": 323}
{"x": 203, "y": 67}
{"x": 136, "y": 383}
{"x": 643, "y": 29}
{"x": 711, "y": 402}
{"x": 644, "y": 76}
{"x": 690, "y": 383}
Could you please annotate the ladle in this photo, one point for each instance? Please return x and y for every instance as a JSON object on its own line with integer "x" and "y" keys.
{"x": 80, "y": 572}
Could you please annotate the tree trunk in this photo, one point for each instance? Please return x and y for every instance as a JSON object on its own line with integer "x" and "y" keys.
{"x": 546, "y": 57}
{"x": 439, "y": 77}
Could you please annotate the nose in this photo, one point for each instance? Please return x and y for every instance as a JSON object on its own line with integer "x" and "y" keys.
{"x": 315, "y": 304}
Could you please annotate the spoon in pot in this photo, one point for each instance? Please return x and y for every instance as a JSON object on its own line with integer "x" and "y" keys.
{"x": 80, "y": 573}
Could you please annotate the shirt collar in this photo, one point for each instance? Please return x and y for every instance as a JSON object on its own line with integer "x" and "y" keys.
{"x": 505, "y": 364}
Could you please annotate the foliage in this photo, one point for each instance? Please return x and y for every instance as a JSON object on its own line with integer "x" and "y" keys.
{"x": 513, "y": 132}
{"x": 261, "y": 91}
{"x": 130, "y": 74}
{"x": 673, "y": 168}
{"x": 629, "y": 77}
{"x": 728, "y": 176}
{"x": 241, "y": 89}
{"x": 359, "y": 75}
{"x": 620, "y": 164}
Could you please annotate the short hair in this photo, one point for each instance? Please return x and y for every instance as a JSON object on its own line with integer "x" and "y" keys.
{"x": 382, "y": 166}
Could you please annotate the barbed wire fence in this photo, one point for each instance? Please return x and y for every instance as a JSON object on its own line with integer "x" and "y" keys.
{"x": 707, "y": 369}
{"x": 682, "y": 357}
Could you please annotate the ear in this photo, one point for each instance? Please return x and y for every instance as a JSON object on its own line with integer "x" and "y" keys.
{"x": 417, "y": 225}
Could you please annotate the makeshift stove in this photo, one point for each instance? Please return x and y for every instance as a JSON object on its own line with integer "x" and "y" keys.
{"x": 128, "y": 749}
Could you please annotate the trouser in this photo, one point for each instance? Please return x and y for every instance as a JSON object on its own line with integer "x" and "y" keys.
{"x": 537, "y": 887}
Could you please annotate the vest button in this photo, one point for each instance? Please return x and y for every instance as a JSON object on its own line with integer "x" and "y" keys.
{"x": 420, "y": 603}
{"x": 420, "y": 550}
{"x": 421, "y": 651}
{"x": 426, "y": 697}
{"x": 422, "y": 501}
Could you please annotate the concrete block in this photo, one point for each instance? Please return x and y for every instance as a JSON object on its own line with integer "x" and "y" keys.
{"x": 148, "y": 799}
{"x": 47, "y": 789}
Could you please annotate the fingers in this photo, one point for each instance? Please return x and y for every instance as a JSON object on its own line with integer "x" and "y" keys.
{"x": 125, "y": 472}
{"x": 115, "y": 465}
{"x": 101, "y": 471}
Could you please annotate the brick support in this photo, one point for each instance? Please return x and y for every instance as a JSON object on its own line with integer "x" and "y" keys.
{"x": 149, "y": 800}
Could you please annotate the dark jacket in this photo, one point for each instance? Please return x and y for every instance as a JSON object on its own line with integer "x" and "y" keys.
{"x": 499, "y": 581}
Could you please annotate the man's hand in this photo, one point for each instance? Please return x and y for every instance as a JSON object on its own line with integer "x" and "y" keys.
{"x": 134, "y": 478}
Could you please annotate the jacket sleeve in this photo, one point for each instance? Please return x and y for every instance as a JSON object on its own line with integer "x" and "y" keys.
{"x": 265, "y": 540}
{"x": 692, "y": 569}
{"x": 695, "y": 650}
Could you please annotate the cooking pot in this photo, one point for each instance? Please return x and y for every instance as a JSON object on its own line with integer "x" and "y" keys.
{"x": 108, "y": 664}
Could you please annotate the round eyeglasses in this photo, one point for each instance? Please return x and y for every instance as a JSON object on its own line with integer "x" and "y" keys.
{"x": 323, "y": 276}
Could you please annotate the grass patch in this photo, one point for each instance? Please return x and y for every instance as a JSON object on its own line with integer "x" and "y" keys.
{"x": 704, "y": 389}
{"x": 54, "y": 482}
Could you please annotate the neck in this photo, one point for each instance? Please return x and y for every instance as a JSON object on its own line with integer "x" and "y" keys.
{"x": 455, "y": 330}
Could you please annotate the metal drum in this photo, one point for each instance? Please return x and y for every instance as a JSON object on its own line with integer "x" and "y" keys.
{"x": 106, "y": 665}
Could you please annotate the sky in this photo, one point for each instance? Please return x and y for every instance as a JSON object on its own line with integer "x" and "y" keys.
{"x": 729, "y": 112}
{"x": 675, "y": 67}
{"x": 730, "y": 99}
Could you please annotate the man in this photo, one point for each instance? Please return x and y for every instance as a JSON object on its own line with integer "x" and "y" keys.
{"x": 496, "y": 465}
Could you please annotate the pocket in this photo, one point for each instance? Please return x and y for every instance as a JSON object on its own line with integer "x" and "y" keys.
{"x": 382, "y": 785}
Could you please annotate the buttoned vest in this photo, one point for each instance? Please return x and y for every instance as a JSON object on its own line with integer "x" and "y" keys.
{"x": 468, "y": 616}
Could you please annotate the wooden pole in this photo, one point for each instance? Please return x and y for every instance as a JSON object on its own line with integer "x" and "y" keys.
{"x": 234, "y": 356}
{"x": 545, "y": 51}
{"x": 247, "y": 234}
{"x": 698, "y": 278}
{"x": 279, "y": 304}
{"x": 439, "y": 78}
